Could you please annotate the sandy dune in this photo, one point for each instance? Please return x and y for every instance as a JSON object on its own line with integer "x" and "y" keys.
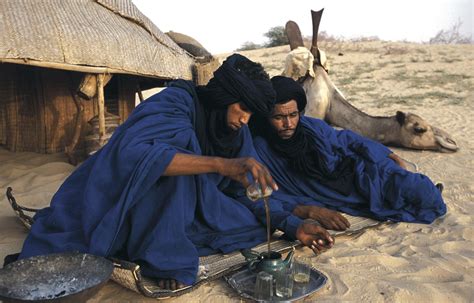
{"x": 391, "y": 263}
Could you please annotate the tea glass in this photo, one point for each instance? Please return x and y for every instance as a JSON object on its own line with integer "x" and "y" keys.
{"x": 263, "y": 286}
{"x": 254, "y": 192}
{"x": 301, "y": 269}
{"x": 284, "y": 283}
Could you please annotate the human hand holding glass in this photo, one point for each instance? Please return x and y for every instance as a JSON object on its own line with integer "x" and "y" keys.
{"x": 240, "y": 169}
{"x": 254, "y": 192}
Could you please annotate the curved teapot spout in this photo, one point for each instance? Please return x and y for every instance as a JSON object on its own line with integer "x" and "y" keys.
{"x": 289, "y": 257}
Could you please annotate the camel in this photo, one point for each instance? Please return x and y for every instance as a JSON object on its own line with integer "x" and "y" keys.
{"x": 326, "y": 102}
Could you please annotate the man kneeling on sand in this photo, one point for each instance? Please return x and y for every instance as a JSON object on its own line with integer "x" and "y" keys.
{"x": 320, "y": 169}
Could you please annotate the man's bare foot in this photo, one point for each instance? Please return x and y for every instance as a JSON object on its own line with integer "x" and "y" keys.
{"x": 328, "y": 218}
{"x": 170, "y": 284}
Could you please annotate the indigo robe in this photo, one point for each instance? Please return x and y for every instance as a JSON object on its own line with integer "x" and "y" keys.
{"x": 118, "y": 203}
{"x": 383, "y": 190}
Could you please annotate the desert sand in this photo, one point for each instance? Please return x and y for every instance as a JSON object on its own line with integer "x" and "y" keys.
{"x": 391, "y": 263}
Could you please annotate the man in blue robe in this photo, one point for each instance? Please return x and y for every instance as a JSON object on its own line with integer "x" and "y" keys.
{"x": 320, "y": 169}
{"x": 154, "y": 194}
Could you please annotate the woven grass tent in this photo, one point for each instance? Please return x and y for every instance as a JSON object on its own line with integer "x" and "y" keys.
{"x": 49, "y": 48}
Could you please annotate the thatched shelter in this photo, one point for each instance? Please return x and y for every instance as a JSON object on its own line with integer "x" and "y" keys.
{"x": 48, "y": 47}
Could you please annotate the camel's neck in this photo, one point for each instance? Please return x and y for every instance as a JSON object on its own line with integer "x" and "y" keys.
{"x": 343, "y": 114}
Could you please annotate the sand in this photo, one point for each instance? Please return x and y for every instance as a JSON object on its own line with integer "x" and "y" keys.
{"x": 392, "y": 263}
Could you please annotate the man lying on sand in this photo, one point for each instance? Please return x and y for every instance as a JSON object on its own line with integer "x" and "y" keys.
{"x": 153, "y": 194}
{"x": 317, "y": 167}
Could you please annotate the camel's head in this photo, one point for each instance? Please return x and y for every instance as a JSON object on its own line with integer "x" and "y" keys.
{"x": 417, "y": 133}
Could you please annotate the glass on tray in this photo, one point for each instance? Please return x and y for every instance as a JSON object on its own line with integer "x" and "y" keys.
{"x": 284, "y": 283}
{"x": 263, "y": 286}
{"x": 301, "y": 269}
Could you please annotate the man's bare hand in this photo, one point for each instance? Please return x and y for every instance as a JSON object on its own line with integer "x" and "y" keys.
{"x": 314, "y": 236}
{"x": 238, "y": 168}
{"x": 398, "y": 160}
{"x": 328, "y": 218}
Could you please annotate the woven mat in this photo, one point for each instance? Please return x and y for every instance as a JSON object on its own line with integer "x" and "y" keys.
{"x": 212, "y": 267}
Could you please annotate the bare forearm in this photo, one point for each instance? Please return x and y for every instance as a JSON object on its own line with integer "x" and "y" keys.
{"x": 236, "y": 168}
{"x": 185, "y": 164}
{"x": 300, "y": 211}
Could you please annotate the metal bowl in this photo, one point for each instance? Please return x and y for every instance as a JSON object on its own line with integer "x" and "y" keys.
{"x": 62, "y": 277}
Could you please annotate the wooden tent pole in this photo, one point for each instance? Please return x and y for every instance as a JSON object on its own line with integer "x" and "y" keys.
{"x": 69, "y": 149}
{"x": 101, "y": 105}
{"x": 139, "y": 92}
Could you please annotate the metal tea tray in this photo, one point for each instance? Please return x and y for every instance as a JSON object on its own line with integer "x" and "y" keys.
{"x": 243, "y": 281}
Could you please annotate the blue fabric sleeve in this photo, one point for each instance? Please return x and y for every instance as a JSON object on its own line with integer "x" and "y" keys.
{"x": 279, "y": 217}
{"x": 371, "y": 150}
{"x": 116, "y": 177}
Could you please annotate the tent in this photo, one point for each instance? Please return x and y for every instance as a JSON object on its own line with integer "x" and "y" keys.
{"x": 50, "y": 51}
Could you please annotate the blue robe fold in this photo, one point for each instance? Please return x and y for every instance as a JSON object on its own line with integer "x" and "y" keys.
{"x": 118, "y": 203}
{"x": 383, "y": 190}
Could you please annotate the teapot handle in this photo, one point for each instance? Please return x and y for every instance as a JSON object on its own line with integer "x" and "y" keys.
{"x": 250, "y": 254}
{"x": 252, "y": 257}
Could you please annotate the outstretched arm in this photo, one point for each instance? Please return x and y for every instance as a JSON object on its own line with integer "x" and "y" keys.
{"x": 328, "y": 218}
{"x": 308, "y": 232}
{"x": 236, "y": 169}
{"x": 305, "y": 207}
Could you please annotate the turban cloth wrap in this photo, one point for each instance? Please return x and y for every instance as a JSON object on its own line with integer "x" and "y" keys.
{"x": 287, "y": 89}
{"x": 301, "y": 149}
{"x": 232, "y": 82}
